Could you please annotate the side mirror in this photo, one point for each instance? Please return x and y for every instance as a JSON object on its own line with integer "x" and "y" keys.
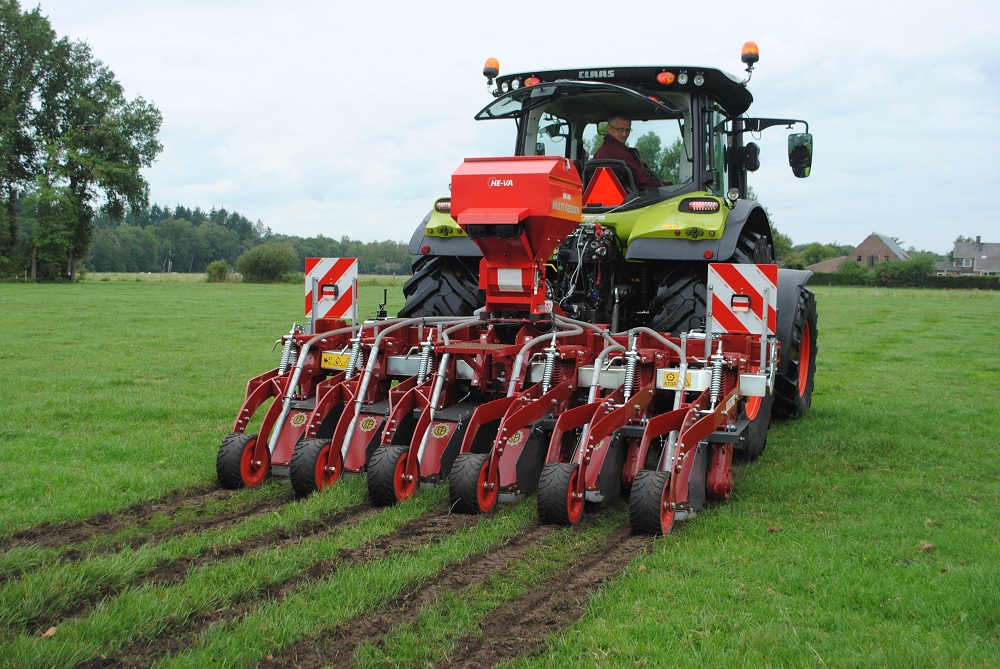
{"x": 602, "y": 128}
{"x": 800, "y": 153}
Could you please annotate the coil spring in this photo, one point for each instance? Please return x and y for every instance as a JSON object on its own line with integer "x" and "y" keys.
{"x": 549, "y": 369}
{"x": 644, "y": 284}
{"x": 290, "y": 351}
{"x": 425, "y": 361}
{"x": 717, "y": 361}
{"x": 631, "y": 360}
{"x": 356, "y": 359}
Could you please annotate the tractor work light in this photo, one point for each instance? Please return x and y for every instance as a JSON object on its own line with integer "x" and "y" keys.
{"x": 699, "y": 79}
{"x": 682, "y": 78}
{"x": 666, "y": 78}
{"x": 740, "y": 303}
{"x": 515, "y": 84}
{"x": 443, "y": 206}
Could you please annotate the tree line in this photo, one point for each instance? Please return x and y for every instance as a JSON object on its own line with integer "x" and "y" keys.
{"x": 71, "y": 145}
{"x": 161, "y": 239}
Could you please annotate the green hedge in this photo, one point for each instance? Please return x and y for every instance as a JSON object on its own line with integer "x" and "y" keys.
{"x": 944, "y": 282}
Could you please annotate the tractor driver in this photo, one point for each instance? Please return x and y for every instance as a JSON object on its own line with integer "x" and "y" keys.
{"x": 613, "y": 148}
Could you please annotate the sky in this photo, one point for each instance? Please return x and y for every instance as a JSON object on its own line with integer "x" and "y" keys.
{"x": 347, "y": 119}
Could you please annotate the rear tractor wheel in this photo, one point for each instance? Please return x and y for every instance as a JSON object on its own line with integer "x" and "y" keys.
{"x": 236, "y": 464}
{"x": 471, "y": 489}
{"x": 793, "y": 389}
{"x": 389, "y": 478}
{"x": 315, "y": 465}
{"x": 558, "y": 501}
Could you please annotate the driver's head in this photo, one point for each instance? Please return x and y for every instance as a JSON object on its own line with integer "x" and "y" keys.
{"x": 620, "y": 126}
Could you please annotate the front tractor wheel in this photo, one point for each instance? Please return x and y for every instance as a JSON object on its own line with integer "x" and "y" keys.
{"x": 471, "y": 488}
{"x": 236, "y": 465}
{"x": 558, "y": 501}
{"x": 649, "y": 512}
{"x": 315, "y": 465}
{"x": 389, "y": 478}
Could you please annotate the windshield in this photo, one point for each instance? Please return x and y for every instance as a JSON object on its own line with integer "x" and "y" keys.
{"x": 568, "y": 120}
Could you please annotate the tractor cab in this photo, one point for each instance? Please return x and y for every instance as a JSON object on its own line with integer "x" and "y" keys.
{"x": 679, "y": 130}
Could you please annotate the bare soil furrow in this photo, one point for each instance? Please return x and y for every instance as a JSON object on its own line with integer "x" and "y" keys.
{"x": 411, "y": 537}
{"x": 50, "y": 535}
{"x": 519, "y": 628}
{"x": 336, "y": 648}
{"x": 175, "y": 571}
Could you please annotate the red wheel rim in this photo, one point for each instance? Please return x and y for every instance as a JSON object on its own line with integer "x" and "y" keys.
{"x": 327, "y": 467}
{"x": 666, "y": 510}
{"x": 487, "y": 488}
{"x": 574, "y": 502}
{"x": 403, "y": 483}
{"x": 253, "y": 472}
{"x": 805, "y": 356}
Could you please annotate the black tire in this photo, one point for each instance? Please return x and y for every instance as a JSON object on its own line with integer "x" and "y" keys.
{"x": 793, "y": 389}
{"x": 442, "y": 286}
{"x": 384, "y": 488}
{"x": 233, "y": 473}
{"x": 466, "y": 489}
{"x": 755, "y": 436}
{"x": 646, "y": 512}
{"x": 555, "y": 503}
{"x": 305, "y": 475}
{"x": 679, "y": 303}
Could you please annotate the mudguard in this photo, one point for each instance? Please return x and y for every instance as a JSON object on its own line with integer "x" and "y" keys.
{"x": 790, "y": 283}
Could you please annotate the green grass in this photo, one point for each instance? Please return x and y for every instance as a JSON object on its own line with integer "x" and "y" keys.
{"x": 865, "y": 535}
{"x": 121, "y": 392}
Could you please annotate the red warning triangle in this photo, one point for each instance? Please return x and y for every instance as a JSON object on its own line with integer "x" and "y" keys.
{"x": 604, "y": 189}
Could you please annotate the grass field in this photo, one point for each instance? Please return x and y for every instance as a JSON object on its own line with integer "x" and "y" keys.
{"x": 867, "y": 533}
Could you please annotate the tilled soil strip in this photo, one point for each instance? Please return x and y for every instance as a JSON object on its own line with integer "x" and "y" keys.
{"x": 411, "y": 537}
{"x": 175, "y": 571}
{"x": 519, "y": 628}
{"x": 54, "y": 535}
{"x": 336, "y": 648}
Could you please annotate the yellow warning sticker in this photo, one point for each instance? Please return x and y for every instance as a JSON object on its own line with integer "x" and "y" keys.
{"x": 334, "y": 360}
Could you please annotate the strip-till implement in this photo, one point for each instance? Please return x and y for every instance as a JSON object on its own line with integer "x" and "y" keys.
{"x": 520, "y": 399}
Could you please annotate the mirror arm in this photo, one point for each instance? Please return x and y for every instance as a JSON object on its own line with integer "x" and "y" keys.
{"x": 758, "y": 124}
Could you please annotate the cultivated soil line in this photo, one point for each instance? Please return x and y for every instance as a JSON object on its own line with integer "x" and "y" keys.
{"x": 336, "y": 647}
{"x": 412, "y": 537}
{"x": 55, "y": 535}
{"x": 175, "y": 571}
{"x": 519, "y": 628}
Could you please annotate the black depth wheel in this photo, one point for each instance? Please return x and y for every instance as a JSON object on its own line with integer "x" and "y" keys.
{"x": 470, "y": 488}
{"x": 311, "y": 469}
{"x": 793, "y": 389}
{"x": 648, "y": 510}
{"x": 558, "y": 503}
{"x": 388, "y": 481}
{"x": 235, "y": 465}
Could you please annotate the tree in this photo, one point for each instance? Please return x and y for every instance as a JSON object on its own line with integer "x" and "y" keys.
{"x": 70, "y": 142}
{"x": 96, "y": 140}
{"x": 24, "y": 42}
